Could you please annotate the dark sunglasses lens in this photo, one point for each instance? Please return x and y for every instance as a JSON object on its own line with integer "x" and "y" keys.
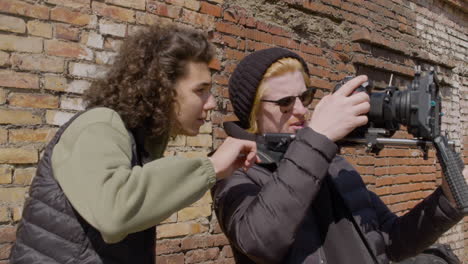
{"x": 307, "y": 97}
{"x": 286, "y": 101}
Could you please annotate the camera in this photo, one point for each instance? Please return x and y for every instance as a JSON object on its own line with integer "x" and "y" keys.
{"x": 418, "y": 108}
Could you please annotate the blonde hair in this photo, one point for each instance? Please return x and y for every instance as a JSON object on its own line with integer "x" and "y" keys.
{"x": 280, "y": 67}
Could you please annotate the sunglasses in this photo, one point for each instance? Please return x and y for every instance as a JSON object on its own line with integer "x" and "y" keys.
{"x": 287, "y": 103}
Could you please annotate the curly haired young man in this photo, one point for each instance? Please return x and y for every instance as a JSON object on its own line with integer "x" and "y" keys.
{"x": 102, "y": 184}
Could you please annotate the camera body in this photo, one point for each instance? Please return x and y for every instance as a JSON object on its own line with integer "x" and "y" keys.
{"x": 418, "y": 108}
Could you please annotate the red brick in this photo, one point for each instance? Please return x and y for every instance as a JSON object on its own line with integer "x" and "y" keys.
{"x": 37, "y": 63}
{"x": 38, "y": 28}
{"x": 319, "y": 8}
{"x": 316, "y": 60}
{"x": 395, "y": 152}
{"x": 167, "y": 246}
{"x": 163, "y": 9}
{"x": 31, "y": 135}
{"x": 114, "y": 12}
{"x": 231, "y": 15}
{"x": 170, "y": 259}
{"x": 24, "y": 9}
{"x": 242, "y": 44}
{"x": 150, "y": 19}
{"x": 218, "y": 240}
{"x": 75, "y": 4}
{"x": 33, "y": 100}
{"x": 210, "y": 9}
{"x": 5, "y": 250}
{"x": 320, "y": 72}
{"x": 201, "y": 255}
{"x": 18, "y": 156}
{"x": 336, "y": 3}
{"x": 224, "y": 261}
{"x": 4, "y": 59}
{"x": 19, "y": 117}
{"x": 230, "y": 29}
{"x": 215, "y": 64}
{"x": 281, "y": 31}
{"x": 252, "y": 45}
{"x": 192, "y": 4}
{"x": 285, "y": 42}
{"x": 319, "y": 83}
{"x": 250, "y": 22}
{"x": 12, "y": 24}
{"x": 227, "y": 252}
{"x": 193, "y": 242}
{"x": 194, "y": 18}
{"x": 369, "y": 170}
{"x": 66, "y": 32}
{"x": 68, "y": 16}
{"x": 233, "y": 54}
{"x": 175, "y": 2}
{"x": 22, "y": 44}
{"x": 7, "y": 234}
{"x": 137, "y": 4}
{"x": 228, "y": 40}
{"x": 258, "y": 36}
{"x": 311, "y": 49}
{"x": 18, "y": 79}
{"x": 221, "y": 91}
{"x": 220, "y": 79}
{"x": 67, "y": 49}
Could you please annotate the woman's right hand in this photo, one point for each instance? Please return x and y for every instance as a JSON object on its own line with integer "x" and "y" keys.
{"x": 336, "y": 115}
{"x": 232, "y": 155}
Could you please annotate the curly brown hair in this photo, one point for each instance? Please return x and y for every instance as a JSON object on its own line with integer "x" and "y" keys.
{"x": 140, "y": 83}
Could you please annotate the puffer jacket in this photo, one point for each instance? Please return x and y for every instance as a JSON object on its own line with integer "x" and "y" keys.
{"x": 309, "y": 205}
{"x": 51, "y": 231}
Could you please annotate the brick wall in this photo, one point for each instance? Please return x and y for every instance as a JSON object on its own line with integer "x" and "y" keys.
{"x": 50, "y": 51}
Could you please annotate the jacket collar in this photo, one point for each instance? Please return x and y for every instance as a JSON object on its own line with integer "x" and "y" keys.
{"x": 268, "y": 155}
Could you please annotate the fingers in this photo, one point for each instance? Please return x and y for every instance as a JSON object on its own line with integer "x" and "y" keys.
{"x": 251, "y": 157}
{"x": 351, "y": 85}
{"x": 361, "y": 120}
{"x": 361, "y": 109}
{"x": 358, "y": 98}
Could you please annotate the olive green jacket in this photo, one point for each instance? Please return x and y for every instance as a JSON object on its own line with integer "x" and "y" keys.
{"x": 92, "y": 163}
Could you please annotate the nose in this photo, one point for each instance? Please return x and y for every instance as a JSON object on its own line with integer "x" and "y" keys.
{"x": 299, "y": 109}
{"x": 210, "y": 103}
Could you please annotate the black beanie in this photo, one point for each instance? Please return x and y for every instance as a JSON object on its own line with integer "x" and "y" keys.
{"x": 247, "y": 76}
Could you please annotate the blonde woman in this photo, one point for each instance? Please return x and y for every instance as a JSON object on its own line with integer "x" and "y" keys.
{"x": 303, "y": 203}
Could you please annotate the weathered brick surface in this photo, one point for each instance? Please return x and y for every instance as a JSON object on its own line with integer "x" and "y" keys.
{"x": 51, "y": 50}
{"x": 39, "y": 28}
{"x": 24, "y": 176}
{"x": 19, "y": 117}
{"x": 18, "y": 155}
{"x": 12, "y": 24}
{"x": 66, "y": 32}
{"x": 33, "y": 100}
{"x": 31, "y": 135}
{"x": 22, "y": 44}
{"x": 69, "y": 16}
{"x": 37, "y": 63}
{"x": 67, "y": 49}
{"x": 24, "y": 9}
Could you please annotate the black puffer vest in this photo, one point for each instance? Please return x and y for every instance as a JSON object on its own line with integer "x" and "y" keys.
{"x": 51, "y": 231}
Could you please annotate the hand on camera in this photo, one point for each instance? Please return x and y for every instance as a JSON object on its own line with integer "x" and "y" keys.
{"x": 232, "y": 155}
{"x": 336, "y": 115}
